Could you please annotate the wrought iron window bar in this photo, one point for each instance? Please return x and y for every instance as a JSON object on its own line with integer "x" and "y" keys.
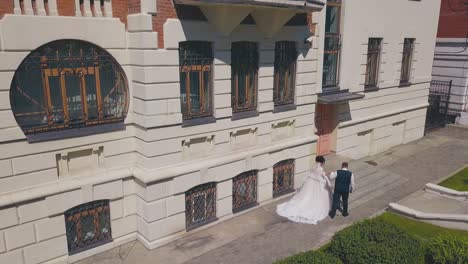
{"x": 283, "y": 177}
{"x": 373, "y": 61}
{"x": 88, "y": 226}
{"x": 196, "y": 62}
{"x": 244, "y": 191}
{"x": 79, "y": 85}
{"x": 200, "y": 205}
{"x": 244, "y": 82}
{"x": 285, "y": 72}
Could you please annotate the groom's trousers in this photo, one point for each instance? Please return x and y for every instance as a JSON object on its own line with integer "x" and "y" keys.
{"x": 336, "y": 202}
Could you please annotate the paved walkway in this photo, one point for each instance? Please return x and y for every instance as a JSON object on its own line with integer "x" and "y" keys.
{"x": 260, "y": 236}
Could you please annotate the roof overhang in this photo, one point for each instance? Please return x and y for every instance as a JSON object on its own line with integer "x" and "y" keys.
{"x": 269, "y": 15}
{"x": 338, "y": 97}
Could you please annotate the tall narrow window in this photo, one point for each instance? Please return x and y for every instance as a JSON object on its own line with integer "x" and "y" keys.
{"x": 196, "y": 60}
{"x": 200, "y": 205}
{"x": 244, "y": 191}
{"x": 283, "y": 177}
{"x": 408, "y": 48}
{"x": 87, "y": 226}
{"x": 244, "y": 73}
{"x": 285, "y": 73}
{"x": 373, "y": 61}
{"x": 331, "y": 55}
{"x": 68, "y": 84}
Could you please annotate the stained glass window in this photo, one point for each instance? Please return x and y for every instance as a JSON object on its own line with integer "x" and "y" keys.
{"x": 244, "y": 71}
{"x": 283, "y": 177}
{"x": 87, "y": 226}
{"x": 244, "y": 191}
{"x": 68, "y": 84}
{"x": 200, "y": 205}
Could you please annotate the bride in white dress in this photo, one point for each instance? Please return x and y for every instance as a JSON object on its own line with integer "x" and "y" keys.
{"x": 312, "y": 202}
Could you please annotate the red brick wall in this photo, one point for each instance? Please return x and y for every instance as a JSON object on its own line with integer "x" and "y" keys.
{"x": 453, "y": 20}
{"x": 120, "y": 9}
{"x": 6, "y": 7}
{"x": 165, "y": 10}
{"x": 66, "y": 7}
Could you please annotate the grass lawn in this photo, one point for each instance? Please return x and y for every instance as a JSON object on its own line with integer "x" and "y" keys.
{"x": 458, "y": 181}
{"x": 420, "y": 230}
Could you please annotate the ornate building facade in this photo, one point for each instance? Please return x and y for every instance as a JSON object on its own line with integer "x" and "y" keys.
{"x": 148, "y": 120}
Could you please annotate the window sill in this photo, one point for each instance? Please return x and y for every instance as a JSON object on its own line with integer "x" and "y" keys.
{"x": 198, "y": 121}
{"x": 404, "y": 84}
{"x": 284, "y": 108}
{"x": 75, "y": 132}
{"x": 244, "y": 114}
{"x": 368, "y": 89}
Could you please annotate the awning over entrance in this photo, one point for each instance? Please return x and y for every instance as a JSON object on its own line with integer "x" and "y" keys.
{"x": 269, "y": 15}
{"x": 338, "y": 97}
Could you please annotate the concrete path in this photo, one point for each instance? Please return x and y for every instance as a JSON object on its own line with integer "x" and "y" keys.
{"x": 260, "y": 236}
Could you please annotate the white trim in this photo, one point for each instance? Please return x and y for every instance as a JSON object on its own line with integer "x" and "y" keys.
{"x": 149, "y": 176}
{"x": 428, "y": 216}
{"x": 446, "y": 192}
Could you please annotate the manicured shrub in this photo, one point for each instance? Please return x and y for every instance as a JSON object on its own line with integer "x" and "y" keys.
{"x": 375, "y": 242}
{"x": 311, "y": 257}
{"x": 447, "y": 250}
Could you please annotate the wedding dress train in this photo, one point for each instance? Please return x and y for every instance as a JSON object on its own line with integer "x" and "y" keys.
{"x": 312, "y": 202}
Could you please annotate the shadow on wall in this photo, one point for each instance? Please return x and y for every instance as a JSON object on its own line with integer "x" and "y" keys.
{"x": 344, "y": 113}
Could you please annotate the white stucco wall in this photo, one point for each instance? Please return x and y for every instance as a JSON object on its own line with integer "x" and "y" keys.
{"x": 393, "y": 115}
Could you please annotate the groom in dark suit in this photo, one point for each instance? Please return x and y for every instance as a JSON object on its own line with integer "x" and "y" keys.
{"x": 344, "y": 184}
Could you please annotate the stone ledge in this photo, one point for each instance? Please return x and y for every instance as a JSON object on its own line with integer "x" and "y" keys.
{"x": 146, "y": 176}
{"x": 446, "y": 192}
{"x": 427, "y": 216}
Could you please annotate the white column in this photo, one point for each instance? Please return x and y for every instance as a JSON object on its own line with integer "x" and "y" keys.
{"x": 97, "y": 8}
{"x": 77, "y": 8}
{"x": 40, "y": 8}
{"x": 52, "y": 7}
{"x": 28, "y": 10}
{"x": 107, "y": 8}
{"x": 17, "y": 9}
{"x": 87, "y": 8}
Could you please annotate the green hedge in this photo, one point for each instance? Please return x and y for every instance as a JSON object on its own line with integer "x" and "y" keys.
{"x": 447, "y": 250}
{"x": 311, "y": 257}
{"x": 377, "y": 242}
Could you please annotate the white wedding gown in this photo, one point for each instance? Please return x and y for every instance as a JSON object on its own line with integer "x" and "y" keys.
{"x": 312, "y": 202}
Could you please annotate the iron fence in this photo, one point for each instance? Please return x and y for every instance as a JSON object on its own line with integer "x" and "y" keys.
{"x": 244, "y": 191}
{"x": 439, "y": 99}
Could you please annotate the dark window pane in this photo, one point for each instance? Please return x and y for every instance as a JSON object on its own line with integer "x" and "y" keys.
{"x": 285, "y": 72}
{"x": 332, "y": 19}
{"x": 244, "y": 68}
{"x": 75, "y": 109}
{"x": 373, "y": 60}
{"x": 244, "y": 191}
{"x": 195, "y": 59}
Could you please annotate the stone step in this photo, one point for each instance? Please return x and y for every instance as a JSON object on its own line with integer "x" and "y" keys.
{"x": 371, "y": 186}
{"x": 360, "y": 201}
{"x": 372, "y": 178}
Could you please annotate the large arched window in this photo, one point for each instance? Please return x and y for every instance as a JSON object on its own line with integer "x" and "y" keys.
{"x": 68, "y": 84}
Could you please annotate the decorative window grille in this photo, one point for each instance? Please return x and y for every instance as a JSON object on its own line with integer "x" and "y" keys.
{"x": 244, "y": 191}
{"x": 88, "y": 226}
{"x": 408, "y": 48}
{"x": 244, "y": 71}
{"x": 373, "y": 61}
{"x": 200, "y": 205}
{"x": 196, "y": 62}
{"x": 332, "y": 45}
{"x": 285, "y": 72}
{"x": 68, "y": 84}
{"x": 283, "y": 177}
